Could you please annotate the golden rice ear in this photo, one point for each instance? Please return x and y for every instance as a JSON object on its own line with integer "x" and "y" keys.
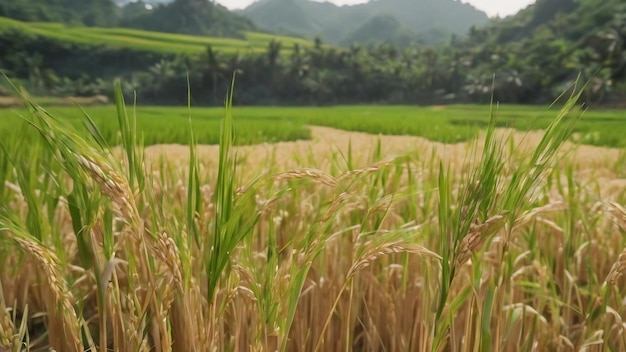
{"x": 165, "y": 249}
{"x": 6, "y": 324}
{"x": 112, "y": 185}
{"x": 476, "y": 237}
{"x": 619, "y": 213}
{"x": 63, "y": 326}
{"x": 619, "y": 267}
{"x": 314, "y": 175}
{"x": 368, "y": 169}
{"x": 384, "y": 249}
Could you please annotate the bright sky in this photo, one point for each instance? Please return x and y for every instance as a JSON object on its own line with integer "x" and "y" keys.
{"x": 491, "y": 7}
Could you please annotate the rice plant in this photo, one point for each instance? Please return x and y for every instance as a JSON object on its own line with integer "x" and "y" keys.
{"x": 496, "y": 245}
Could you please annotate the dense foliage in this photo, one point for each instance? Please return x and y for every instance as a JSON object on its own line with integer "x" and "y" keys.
{"x": 543, "y": 48}
{"x": 534, "y": 55}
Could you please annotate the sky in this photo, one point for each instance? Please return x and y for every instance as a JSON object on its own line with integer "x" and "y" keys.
{"x": 491, "y": 7}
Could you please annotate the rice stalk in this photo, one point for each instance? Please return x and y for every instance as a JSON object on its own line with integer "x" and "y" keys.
{"x": 6, "y": 324}
{"x": 64, "y": 328}
{"x": 315, "y": 260}
{"x": 619, "y": 266}
{"x": 366, "y": 254}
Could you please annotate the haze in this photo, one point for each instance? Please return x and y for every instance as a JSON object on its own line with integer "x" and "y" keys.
{"x": 491, "y": 7}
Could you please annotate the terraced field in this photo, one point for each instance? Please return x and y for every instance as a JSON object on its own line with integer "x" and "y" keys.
{"x": 152, "y": 41}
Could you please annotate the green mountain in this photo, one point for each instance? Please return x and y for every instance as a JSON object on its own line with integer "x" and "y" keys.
{"x": 380, "y": 29}
{"x": 344, "y": 24}
{"x": 199, "y": 17}
{"x": 423, "y": 15}
{"x": 287, "y": 16}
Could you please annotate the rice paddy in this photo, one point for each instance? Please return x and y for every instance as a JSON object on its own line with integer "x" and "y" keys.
{"x": 448, "y": 124}
{"x": 512, "y": 240}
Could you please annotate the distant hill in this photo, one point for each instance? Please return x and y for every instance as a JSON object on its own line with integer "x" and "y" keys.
{"x": 415, "y": 19}
{"x": 541, "y": 14}
{"x": 380, "y": 29}
{"x": 198, "y": 17}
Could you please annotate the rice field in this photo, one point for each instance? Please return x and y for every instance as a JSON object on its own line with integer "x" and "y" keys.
{"x": 159, "y": 125}
{"x": 345, "y": 242}
{"x": 448, "y": 124}
{"x": 140, "y": 40}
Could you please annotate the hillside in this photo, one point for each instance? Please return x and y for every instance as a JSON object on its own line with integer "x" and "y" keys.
{"x": 140, "y": 40}
{"x": 545, "y": 47}
{"x": 199, "y": 17}
{"x": 338, "y": 24}
{"x": 380, "y": 29}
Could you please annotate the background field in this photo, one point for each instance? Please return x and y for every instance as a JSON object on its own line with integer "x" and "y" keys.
{"x": 140, "y": 40}
{"x": 449, "y": 124}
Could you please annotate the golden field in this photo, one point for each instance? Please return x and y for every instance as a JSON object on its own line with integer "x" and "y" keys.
{"x": 349, "y": 241}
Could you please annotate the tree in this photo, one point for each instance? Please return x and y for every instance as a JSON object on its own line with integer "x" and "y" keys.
{"x": 162, "y": 72}
{"x": 214, "y": 69}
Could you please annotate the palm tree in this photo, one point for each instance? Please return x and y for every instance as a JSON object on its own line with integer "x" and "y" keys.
{"x": 40, "y": 78}
{"x": 273, "y": 57}
{"x": 162, "y": 72}
{"x": 214, "y": 69}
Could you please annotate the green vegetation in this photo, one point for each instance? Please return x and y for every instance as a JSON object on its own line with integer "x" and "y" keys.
{"x": 449, "y": 124}
{"x": 200, "y": 17}
{"x": 165, "y": 125}
{"x": 500, "y": 249}
{"x": 140, "y": 40}
{"x": 545, "y": 47}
